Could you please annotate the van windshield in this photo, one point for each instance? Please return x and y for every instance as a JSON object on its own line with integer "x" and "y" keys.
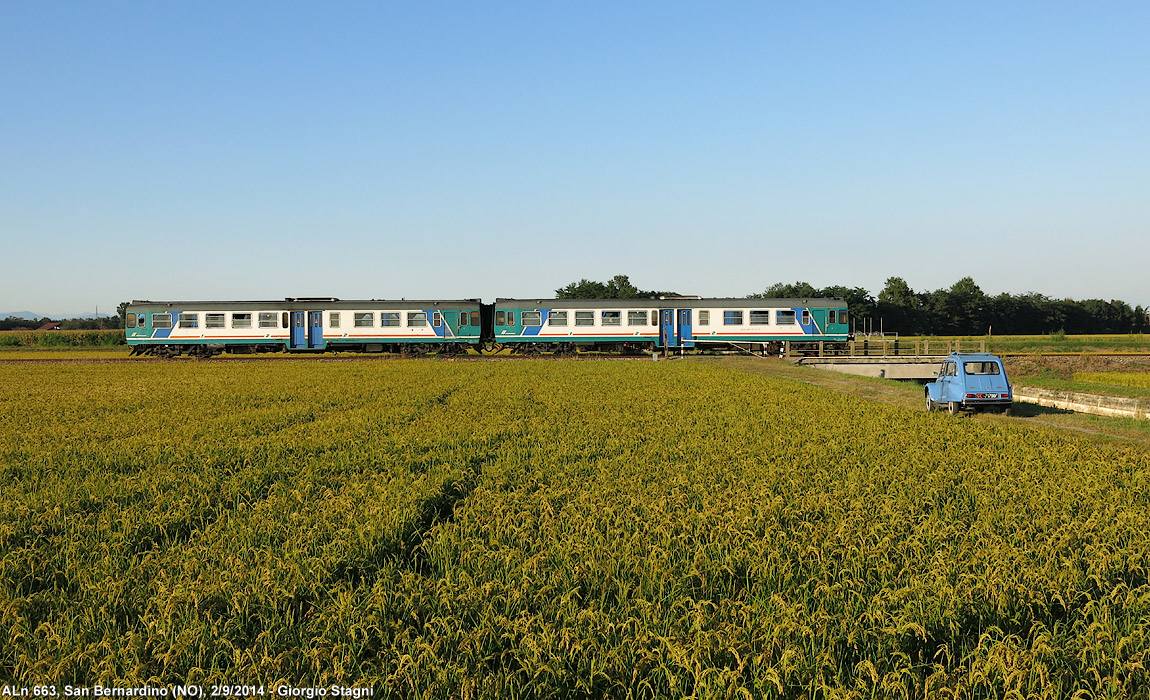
{"x": 981, "y": 368}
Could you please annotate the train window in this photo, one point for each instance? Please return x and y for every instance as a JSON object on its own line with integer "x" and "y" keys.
{"x": 241, "y": 320}
{"x": 760, "y": 318}
{"x": 475, "y": 318}
{"x": 584, "y": 318}
{"x": 284, "y": 320}
{"x": 842, "y": 316}
{"x": 436, "y": 319}
{"x": 704, "y": 317}
{"x": 364, "y": 320}
{"x": 161, "y": 320}
{"x": 785, "y": 318}
{"x": 636, "y": 318}
{"x": 416, "y": 319}
{"x": 654, "y": 318}
{"x": 333, "y": 319}
{"x": 557, "y": 318}
{"x": 500, "y": 318}
{"x": 511, "y": 318}
{"x": 140, "y": 320}
{"x": 213, "y": 320}
{"x": 389, "y": 319}
{"x": 612, "y": 318}
{"x": 267, "y": 320}
{"x": 297, "y": 319}
{"x": 130, "y": 319}
{"x": 831, "y": 317}
{"x": 732, "y": 318}
{"x": 806, "y": 317}
{"x": 532, "y": 318}
{"x": 463, "y": 318}
{"x": 189, "y": 320}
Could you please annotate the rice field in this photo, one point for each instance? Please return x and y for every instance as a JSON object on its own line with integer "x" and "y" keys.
{"x": 556, "y": 529}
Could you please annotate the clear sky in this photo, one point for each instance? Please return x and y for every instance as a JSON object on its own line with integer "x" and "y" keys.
{"x": 257, "y": 150}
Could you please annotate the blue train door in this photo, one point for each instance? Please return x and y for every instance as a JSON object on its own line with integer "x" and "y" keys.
{"x": 685, "y": 336}
{"x": 315, "y": 329}
{"x": 299, "y": 329}
{"x": 667, "y": 330}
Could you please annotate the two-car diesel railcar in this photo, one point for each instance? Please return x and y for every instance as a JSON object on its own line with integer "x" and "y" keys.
{"x": 206, "y": 328}
{"x": 559, "y": 325}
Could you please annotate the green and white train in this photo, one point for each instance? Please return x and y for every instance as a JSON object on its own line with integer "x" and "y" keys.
{"x": 316, "y": 325}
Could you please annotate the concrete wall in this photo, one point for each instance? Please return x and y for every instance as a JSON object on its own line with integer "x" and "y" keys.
{"x": 1084, "y": 403}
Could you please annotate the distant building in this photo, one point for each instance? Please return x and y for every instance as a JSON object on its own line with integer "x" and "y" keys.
{"x": 50, "y": 326}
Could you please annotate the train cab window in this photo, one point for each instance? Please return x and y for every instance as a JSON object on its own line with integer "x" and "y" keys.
{"x": 363, "y": 320}
{"x": 806, "y": 317}
{"x": 463, "y": 318}
{"x": 389, "y": 319}
{"x": 842, "y": 316}
{"x": 189, "y": 320}
{"x": 511, "y": 318}
{"x": 532, "y": 318}
{"x": 557, "y": 318}
{"x": 416, "y": 319}
{"x": 475, "y": 319}
{"x": 704, "y": 317}
{"x": 213, "y": 320}
{"x": 130, "y": 319}
{"x": 785, "y": 318}
{"x": 333, "y": 319}
{"x": 241, "y": 320}
{"x": 436, "y": 319}
{"x": 140, "y": 320}
{"x": 161, "y": 320}
{"x": 732, "y": 318}
{"x": 831, "y": 317}
{"x": 612, "y": 318}
{"x": 584, "y": 318}
{"x": 267, "y": 320}
{"x": 760, "y": 318}
{"x": 500, "y": 318}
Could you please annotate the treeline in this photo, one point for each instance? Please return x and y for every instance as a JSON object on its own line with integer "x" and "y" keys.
{"x": 964, "y": 309}
{"x": 15, "y": 323}
{"x": 961, "y": 309}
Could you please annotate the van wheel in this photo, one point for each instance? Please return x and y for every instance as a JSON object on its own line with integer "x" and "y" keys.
{"x": 930, "y": 405}
{"x": 954, "y": 407}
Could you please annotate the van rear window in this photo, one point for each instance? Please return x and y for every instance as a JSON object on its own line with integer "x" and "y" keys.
{"x": 981, "y": 368}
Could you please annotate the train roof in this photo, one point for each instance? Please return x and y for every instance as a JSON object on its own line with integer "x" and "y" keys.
{"x": 675, "y": 303}
{"x": 300, "y": 303}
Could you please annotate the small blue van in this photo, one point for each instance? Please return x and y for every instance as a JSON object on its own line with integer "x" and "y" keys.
{"x": 970, "y": 381}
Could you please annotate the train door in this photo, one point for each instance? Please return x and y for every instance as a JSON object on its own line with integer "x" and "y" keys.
{"x": 667, "y": 328}
{"x": 298, "y": 330}
{"x": 315, "y": 330}
{"x": 685, "y": 334}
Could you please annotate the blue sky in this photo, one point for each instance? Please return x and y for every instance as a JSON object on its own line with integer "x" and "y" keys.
{"x": 257, "y": 150}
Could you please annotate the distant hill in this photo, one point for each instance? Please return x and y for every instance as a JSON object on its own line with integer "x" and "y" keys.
{"x": 31, "y": 316}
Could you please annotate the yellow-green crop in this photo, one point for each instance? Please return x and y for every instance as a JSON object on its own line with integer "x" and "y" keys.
{"x": 555, "y": 529}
